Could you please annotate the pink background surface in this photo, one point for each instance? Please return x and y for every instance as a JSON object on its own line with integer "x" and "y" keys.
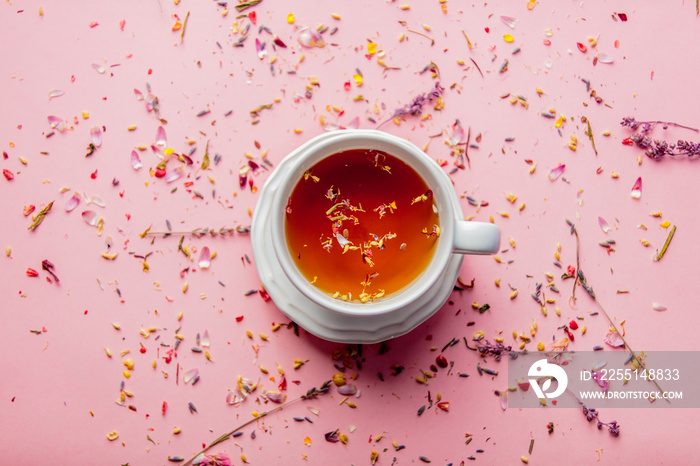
{"x": 58, "y": 388}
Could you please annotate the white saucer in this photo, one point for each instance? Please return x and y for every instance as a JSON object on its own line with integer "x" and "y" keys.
{"x": 320, "y": 321}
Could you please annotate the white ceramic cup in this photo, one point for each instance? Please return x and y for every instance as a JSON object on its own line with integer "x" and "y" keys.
{"x": 457, "y": 236}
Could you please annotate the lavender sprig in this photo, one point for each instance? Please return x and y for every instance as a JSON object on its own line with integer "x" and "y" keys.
{"x": 415, "y": 107}
{"x": 646, "y": 126}
{"x": 485, "y": 348}
{"x": 657, "y": 149}
{"x": 592, "y": 413}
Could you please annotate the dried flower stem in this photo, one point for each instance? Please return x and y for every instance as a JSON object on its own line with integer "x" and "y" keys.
{"x": 313, "y": 393}
{"x": 600, "y": 306}
{"x": 668, "y": 241}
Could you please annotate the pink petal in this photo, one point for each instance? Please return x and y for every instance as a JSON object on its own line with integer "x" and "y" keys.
{"x": 234, "y": 398}
{"x": 73, "y": 202}
{"x": 276, "y": 397}
{"x": 637, "y": 189}
{"x": 347, "y": 390}
{"x": 602, "y": 382}
{"x": 204, "y": 258}
{"x": 614, "y": 339}
{"x": 456, "y": 134}
{"x": 91, "y": 217}
{"x": 189, "y": 375}
{"x": 99, "y": 68}
{"x": 260, "y": 48}
{"x": 603, "y": 225}
{"x": 55, "y": 93}
{"x": 96, "y": 135}
{"x": 97, "y": 201}
{"x": 658, "y": 307}
{"x": 509, "y": 21}
{"x": 556, "y": 172}
{"x": 354, "y": 123}
{"x": 205, "y": 339}
{"x": 173, "y": 175}
{"x": 310, "y": 38}
{"x": 57, "y": 123}
{"x": 605, "y": 58}
{"x": 135, "y": 160}
{"x": 504, "y": 399}
{"x": 139, "y": 95}
{"x": 161, "y": 140}
{"x": 524, "y": 386}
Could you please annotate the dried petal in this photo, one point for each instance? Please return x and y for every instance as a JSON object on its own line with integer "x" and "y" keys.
{"x": 73, "y": 202}
{"x": 57, "y": 123}
{"x": 276, "y": 397}
{"x": 139, "y": 95}
{"x": 205, "y": 339}
{"x": 637, "y": 189}
{"x": 556, "y": 172}
{"x": 173, "y": 175}
{"x": 91, "y": 217}
{"x": 99, "y": 68}
{"x": 658, "y": 307}
{"x": 97, "y": 201}
{"x": 310, "y": 38}
{"x": 504, "y": 399}
{"x": 96, "y": 135}
{"x": 614, "y": 339}
{"x": 135, "y": 160}
{"x": 234, "y": 398}
{"x": 605, "y": 58}
{"x": 509, "y": 21}
{"x": 347, "y": 390}
{"x": 55, "y": 93}
{"x": 603, "y": 225}
{"x": 189, "y": 375}
{"x": 600, "y": 380}
{"x": 204, "y": 258}
{"x": 456, "y": 134}
{"x": 161, "y": 140}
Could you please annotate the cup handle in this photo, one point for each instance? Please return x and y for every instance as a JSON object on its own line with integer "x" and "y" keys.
{"x": 476, "y": 238}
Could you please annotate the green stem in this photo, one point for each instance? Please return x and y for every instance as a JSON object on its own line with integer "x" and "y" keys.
{"x": 668, "y": 241}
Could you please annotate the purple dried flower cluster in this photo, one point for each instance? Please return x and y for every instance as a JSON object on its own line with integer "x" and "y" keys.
{"x": 486, "y": 348}
{"x": 592, "y": 413}
{"x": 656, "y": 148}
{"x": 415, "y": 107}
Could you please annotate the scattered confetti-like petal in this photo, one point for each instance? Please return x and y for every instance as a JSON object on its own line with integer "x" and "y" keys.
{"x": 276, "y": 397}
{"x": 55, "y": 93}
{"x": 189, "y": 375}
{"x": 173, "y": 175}
{"x": 347, "y": 390}
{"x": 161, "y": 140}
{"x": 600, "y": 380}
{"x": 503, "y": 397}
{"x": 99, "y": 68}
{"x": 96, "y": 135}
{"x": 205, "y": 339}
{"x": 557, "y": 172}
{"x": 135, "y": 160}
{"x": 603, "y": 225}
{"x": 138, "y": 94}
{"x": 605, "y": 58}
{"x": 73, "y": 202}
{"x": 509, "y": 21}
{"x": 456, "y": 134}
{"x": 91, "y": 217}
{"x": 637, "y": 189}
{"x": 658, "y": 307}
{"x": 310, "y": 38}
{"x": 614, "y": 339}
{"x": 204, "y": 258}
{"x": 57, "y": 123}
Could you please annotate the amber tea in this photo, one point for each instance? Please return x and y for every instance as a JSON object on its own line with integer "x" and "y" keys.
{"x": 361, "y": 224}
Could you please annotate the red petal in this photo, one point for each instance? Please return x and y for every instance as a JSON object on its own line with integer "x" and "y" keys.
{"x": 8, "y": 174}
{"x": 581, "y": 47}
